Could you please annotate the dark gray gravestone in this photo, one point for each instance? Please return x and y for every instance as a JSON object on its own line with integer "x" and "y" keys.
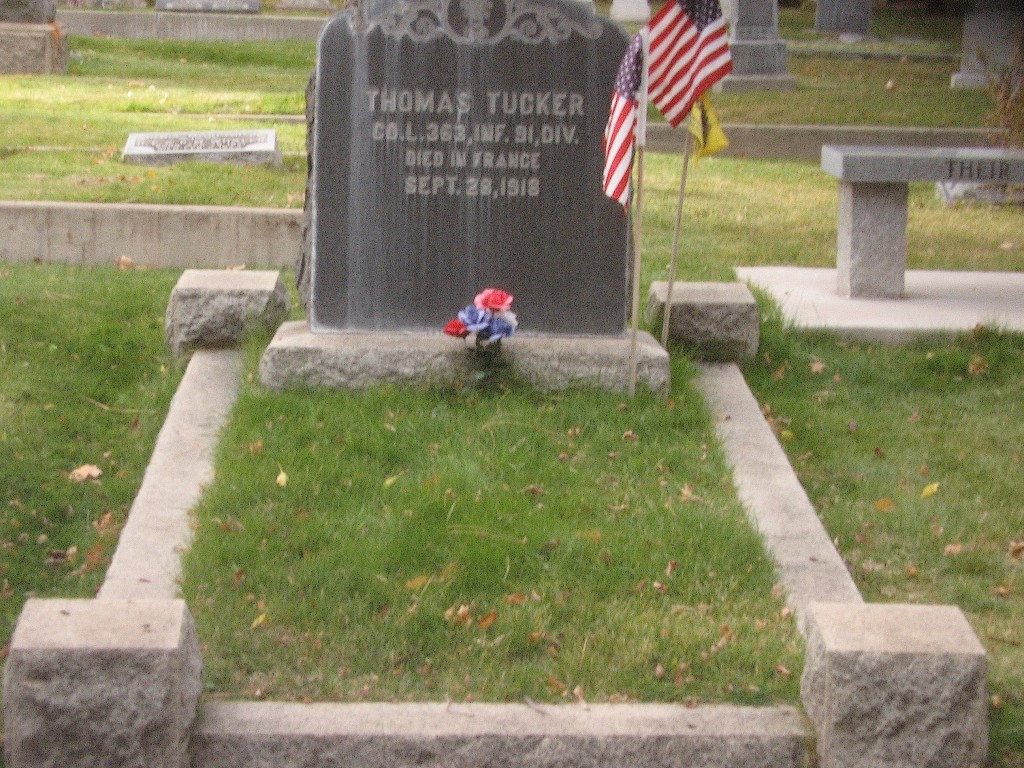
{"x": 28, "y": 11}
{"x": 457, "y": 146}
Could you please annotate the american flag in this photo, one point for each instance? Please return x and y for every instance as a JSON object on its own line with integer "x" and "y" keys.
{"x": 689, "y": 54}
{"x": 618, "y": 134}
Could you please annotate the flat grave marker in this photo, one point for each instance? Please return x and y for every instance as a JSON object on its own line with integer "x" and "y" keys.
{"x": 209, "y": 6}
{"x": 257, "y": 147}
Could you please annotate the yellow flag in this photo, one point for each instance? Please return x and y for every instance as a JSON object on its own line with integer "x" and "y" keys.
{"x": 707, "y": 131}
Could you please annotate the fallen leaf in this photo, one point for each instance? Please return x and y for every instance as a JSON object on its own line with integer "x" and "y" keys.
{"x": 1001, "y": 591}
{"x": 977, "y": 365}
{"x": 389, "y": 481}
{"x": 1017, "y": 549}
{"x": 487, "y": 620}
{"x": 929, "y": 490}
{"x": 256, "y": 448}
{"x": 911, "y": 571}
{"x": 124, "y": 262}
{"x": 282, "y": 478}
{"x": 783, "y": 670}
{"x": 85, "y": 472}
{"x": 885, "y": 504}
{"x": 629, "y": 435}
{"x": 259, "y": 621}
{"x": 557, "y": 685}
{"x": 687, "y": 494}
{"x": 594, "y": 536}
{"x": 817, "y": 366}
{"x": 953, "y": 549}
{"x": 516, "y": 598}
{"x": 417, "y": 582}
{"x": 671, "y": 567}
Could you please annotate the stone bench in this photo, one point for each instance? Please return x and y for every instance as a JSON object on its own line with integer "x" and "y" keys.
{"x": 872, "y": 254}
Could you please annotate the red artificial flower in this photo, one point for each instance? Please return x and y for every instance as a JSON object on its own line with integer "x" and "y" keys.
{"x": 456, "y": 328}
{"x": 494, "y": 299}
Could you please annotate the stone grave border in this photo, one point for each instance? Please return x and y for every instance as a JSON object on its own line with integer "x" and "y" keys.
{"x": 883, "y": 684}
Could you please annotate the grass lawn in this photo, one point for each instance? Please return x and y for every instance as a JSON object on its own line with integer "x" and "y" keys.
{"x": 483, "y": 545}
{"x": 913, "y": 458}
{"x": 85, "y": 380}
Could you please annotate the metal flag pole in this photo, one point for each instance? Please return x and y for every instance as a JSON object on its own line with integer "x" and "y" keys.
{"x": 640, "y": 137}
{"x": 687, "y": 151}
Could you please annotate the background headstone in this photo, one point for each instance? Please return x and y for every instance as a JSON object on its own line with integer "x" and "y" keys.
{"x": 458, "y": 147}
{"x": 851, "y": 16}
{"x": 30, "y": 43}
{"x": 759, "y": 59}
{"x": 993, "y": 30}
{"x": 28, "y": 11}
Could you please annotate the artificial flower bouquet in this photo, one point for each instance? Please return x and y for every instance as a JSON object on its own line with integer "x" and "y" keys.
{"x": 486, "y": 321}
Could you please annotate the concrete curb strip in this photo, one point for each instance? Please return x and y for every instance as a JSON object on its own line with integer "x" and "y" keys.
{"x": 147, "y": 562}
{"x": 178, "y": 236}
{"x": 809, "y": 567}
{"x": 599, "y": 735}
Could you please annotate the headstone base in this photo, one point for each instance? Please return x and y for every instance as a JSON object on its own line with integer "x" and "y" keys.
{"x": 32, "y": 49}
{"x": 297, "y": 357}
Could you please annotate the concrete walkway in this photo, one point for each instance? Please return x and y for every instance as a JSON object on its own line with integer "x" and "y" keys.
{"x": 934, "y": 303}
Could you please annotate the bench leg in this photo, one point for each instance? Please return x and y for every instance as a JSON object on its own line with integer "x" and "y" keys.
{"x": 872, "y": 255}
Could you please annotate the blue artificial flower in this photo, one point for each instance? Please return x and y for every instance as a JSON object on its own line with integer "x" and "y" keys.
{"x": 498, "y": 329}
{"x": 475, "y": 320}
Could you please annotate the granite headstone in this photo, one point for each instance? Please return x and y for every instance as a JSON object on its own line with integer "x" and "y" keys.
{"x": 993, "y": 35}
{"x": 457, "y": 146}
{"x": 759, "y": 60}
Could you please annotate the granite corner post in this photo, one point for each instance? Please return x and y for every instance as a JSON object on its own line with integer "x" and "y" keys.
{"x": 101, "y": 683}
{"x": 895, "y": 685}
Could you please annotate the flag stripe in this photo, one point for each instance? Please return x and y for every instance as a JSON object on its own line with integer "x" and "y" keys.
{"x": 686, "y": 59}
{"x": 619, "y": 133}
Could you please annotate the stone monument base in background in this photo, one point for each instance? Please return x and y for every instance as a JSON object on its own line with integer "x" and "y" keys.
{"x": 32, "y": 49}
{"x": 297, "y": 357}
